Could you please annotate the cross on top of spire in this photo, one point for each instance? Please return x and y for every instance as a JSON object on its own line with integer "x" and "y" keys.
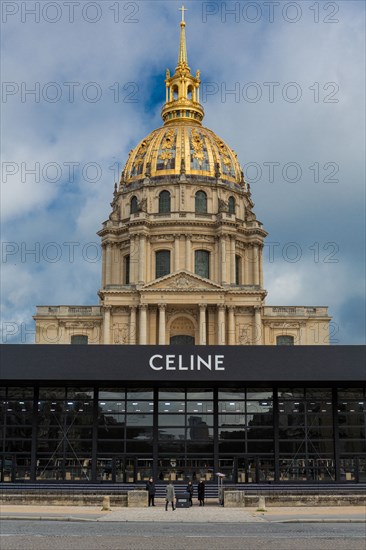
{"x": 183, "y": 9}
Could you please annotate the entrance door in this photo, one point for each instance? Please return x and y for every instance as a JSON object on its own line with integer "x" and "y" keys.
{"x": 182, "y": 340}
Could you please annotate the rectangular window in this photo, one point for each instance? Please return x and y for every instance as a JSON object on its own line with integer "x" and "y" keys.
{"x": 162, "y": 263}
{"x": 127, "y": 270}
{"x": 202, "y": 263}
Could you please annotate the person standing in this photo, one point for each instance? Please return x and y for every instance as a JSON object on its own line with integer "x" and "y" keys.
{"x": 170, "y": 496}
{"x": 201, "y": 493}
{"x": 150, "y": 488}
{"x": 190, "y": 492}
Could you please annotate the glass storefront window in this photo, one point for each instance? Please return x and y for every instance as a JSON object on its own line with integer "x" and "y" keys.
{"x": 52, "y": 393}
{"x": 199, "y": 393}
{"x": 111, "y": 406}
{"x": 139, "y": 420}
{"x": 172, "y": 406}
{"x": 140, "y": 406}
{"x": 260, "y": 393}
{"x": 115, "y": 394}
{"x": 172, "y": 420}
{"x": 80, "y": 393}
{"x": 291, "y": 393}
{"x": 173, "y": 393}
{"x": 20, "y": 393}
{"x": 232, "y": 420}
{"x": 136, "y": 394}
{"x": 231, "y": 394}
{"x": 199, "y": 407}
{"x": 171, "y": 433}
{"x": 231, "y": 406}
{"x": 351, "y": 393}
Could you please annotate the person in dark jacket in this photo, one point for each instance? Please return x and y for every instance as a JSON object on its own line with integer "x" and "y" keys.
{"x": 150, "y": 488}
{"x": 201, "y": 493}
{"x": 190, "y": 492}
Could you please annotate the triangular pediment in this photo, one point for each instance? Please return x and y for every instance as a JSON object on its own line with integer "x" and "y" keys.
{"x": 181, "y": 281}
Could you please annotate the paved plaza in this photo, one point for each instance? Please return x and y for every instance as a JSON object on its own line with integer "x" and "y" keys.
{"x": 211, "y": 513}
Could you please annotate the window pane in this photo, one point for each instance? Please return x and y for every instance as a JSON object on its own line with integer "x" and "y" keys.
{"x": 201, "y": 202}
{"x": 202, "y": 263}
{"x": 127, "y": 270}
{"x": 164, "y": 202}
{"x": 79, "y": 339}
{"x": 162, "y": 260}
{"x": 134, "y": 205}
{"x": 285, "y": 340}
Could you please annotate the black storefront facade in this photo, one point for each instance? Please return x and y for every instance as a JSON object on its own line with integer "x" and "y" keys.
{"x": 118, "y": 414}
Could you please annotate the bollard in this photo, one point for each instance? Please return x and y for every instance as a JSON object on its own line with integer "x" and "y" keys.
{"x": 106, "y": 504}
{"x": 262, "y": 505}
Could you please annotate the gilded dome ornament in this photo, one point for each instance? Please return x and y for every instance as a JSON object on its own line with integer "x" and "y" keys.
{"x": 183, "y": 147}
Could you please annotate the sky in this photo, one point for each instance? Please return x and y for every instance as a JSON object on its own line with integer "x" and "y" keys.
{"x": 282, "y": 84}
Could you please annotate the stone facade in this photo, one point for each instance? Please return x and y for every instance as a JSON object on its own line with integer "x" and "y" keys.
{"x": 182, "y": 248}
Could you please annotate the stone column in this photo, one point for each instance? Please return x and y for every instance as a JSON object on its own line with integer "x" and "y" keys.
{"x": 256, "y": 264}
{"x": 223, "y": 259}
{"x": 176, "y": 252}
{"x": 108, "y": 272}
{"x": 162, "y": 325}
{"x": 142, "y": 258}
{"x": 246, "y": 265}
{"x": 188, "y": 252}
{"x": 221, "y": 329}
{"x": 104, "y": 261}
{"x": 231, "y": 327}
{"x": 133, "y": 327}
{"x": 260, "y": 252}
{"x": 257, "y": 338}
{"x": 133, "y": 259}
{"x": 232, "y": 260}
{"x": 143, "y": 325}
{"x": 202, "y": 324}
{"x": 107, "y": 325}
{"x": 147, "y": 260}
{"x": 119, "y": 271}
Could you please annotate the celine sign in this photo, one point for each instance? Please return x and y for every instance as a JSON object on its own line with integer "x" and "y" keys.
{"x": 191, "y": 363}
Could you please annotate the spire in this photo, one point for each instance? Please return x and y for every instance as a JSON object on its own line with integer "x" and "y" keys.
{"x": 182, "y": 89}
{"x": 182, "y": 57}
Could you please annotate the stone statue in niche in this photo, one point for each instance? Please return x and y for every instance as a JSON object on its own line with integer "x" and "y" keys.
{"x": 223, "y": 207}
{"x": 115, "y": 214}
{"x": 142, "y": 205}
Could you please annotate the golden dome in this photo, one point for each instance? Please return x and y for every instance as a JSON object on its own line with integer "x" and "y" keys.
{"x": 182, "y": 147}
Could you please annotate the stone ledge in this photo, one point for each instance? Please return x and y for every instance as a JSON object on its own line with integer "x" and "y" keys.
{"x": 62, "y": 500}
{"x": 238, "y": 499}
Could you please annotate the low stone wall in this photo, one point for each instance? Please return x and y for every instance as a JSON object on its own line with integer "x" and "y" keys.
{"x": 62, "y": 500}
{"x": 238, "y": 499}
{"x": 137, "y": 499}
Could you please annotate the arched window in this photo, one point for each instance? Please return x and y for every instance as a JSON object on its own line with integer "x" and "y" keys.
{"x": 237, "y": 270}
{"x": 162, "y": 263}
{"x": 285, "y": 340}
{"x": 231, "y": 205}
{"x": 126, "y": 270}
{"x": 201, "y": 202}
{"x": 175, "y": 93}
{"x": 202, "y": 263}
{"x": 134, "y": 205}
{"x": 79, "y": 339}
{"x": 164, "y": 202}
{"x": 190, "y": 92}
